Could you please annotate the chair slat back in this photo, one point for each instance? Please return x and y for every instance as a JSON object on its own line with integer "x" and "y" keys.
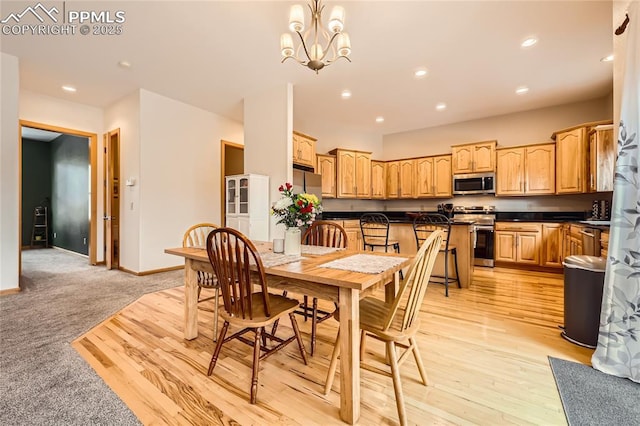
{"x": 196, "y": 236}
{"x": 416, "y": 282}
{"x": 325, "y": 233}
{"x": 426, "y": 223}
{"x": 232, "y": 256}
{"x": 374, "y": 226}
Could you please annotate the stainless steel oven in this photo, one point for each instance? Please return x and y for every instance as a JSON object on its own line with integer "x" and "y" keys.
{"x": 483, "y": 218}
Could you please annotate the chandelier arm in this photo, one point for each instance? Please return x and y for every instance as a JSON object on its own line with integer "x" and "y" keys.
{"x": 304, "y": 46}
{"x": 328, "y": 48}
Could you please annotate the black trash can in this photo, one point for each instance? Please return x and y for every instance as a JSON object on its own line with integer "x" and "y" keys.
{"x": 583, "y": 283}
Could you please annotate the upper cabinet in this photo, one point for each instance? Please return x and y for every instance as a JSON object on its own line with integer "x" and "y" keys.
{"x": 353, "y": 173}
{"x": 393, "y": 179}
{"x": 602, "y": 158}
{"x": 433, "y": 176}
{"x": 474, "y": 158}
{"x": 326, "y": 167}
{"x": 571, "y": 167}
{"x": 573, "y": 163}
{"x": 407, "y": 176}
{"x": 304, "y": 149}
{"x": 527, "y": 170}
{"x": 378, "y": 179}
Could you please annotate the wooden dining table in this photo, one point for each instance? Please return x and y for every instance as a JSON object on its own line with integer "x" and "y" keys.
{"x": 308, "y": 276}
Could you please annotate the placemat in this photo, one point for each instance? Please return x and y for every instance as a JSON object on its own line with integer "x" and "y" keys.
{"x": 365, "y": 263}
{"x": 318, "y": 250}
{"x": 271, "y": 259}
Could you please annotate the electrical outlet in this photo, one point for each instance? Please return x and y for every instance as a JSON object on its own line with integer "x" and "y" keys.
{"x": 55, "y": 235}
{"x": 131, "y": 205}
{"x": 84, "y": 241}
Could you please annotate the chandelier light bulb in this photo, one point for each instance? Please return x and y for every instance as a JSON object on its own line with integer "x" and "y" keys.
{"x": 344, "y": 44}
{"x": 296, "y": 18}
{"x": 316, "y": 52}
{"x": 336, "y": 22}
{"x": 286, "y": 45}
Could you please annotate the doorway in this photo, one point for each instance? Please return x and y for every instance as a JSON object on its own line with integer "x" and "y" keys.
{"x": 232, "y": 163}
{"x": 91, "y": 209}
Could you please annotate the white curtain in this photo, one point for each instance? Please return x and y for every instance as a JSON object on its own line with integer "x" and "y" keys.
{"x": 618, "y": 350}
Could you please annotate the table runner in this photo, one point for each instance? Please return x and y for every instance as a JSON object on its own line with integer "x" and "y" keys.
{"x": 365, "y": 263}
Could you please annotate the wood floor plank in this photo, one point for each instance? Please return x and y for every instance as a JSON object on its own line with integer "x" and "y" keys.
{"x": 485, "y": 351}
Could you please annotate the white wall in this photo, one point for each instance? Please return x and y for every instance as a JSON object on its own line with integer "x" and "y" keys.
{"x": 520, "y": 128}
{"x": 330, "y": 137}
{"x": 268, "y": 149}
{"x": 9, "y": 172}
{"x": 179, "y": 181}
{"x": 70, "y": 115}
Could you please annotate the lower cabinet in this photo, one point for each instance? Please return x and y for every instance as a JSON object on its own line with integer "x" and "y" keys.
{"x": 551, "y": 254}
{"x": 604, "y": 244}
{"x": 518, "y": 242}
{"x": 354, "y": 235}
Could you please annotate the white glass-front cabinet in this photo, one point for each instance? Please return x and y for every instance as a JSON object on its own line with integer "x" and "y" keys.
{"x": 248, "y": 207}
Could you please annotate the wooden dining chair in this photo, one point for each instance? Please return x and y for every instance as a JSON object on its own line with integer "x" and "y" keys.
{"x": 423, "y": 226}
{"x": 196, "y": 236}
{"x": 326, "y": 234}
{"x": 375, "y": 232}
{"x": 238, "y": 267}
{"x": 396, "y": 323}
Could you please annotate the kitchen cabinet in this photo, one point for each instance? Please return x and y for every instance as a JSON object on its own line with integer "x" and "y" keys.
{"x": 573, "y": 240}
{"x": 526, "y": 170}
{"x": 378, "y": 179}
{"x": 353, "y": 173}
{"x": 602, "y": 158}
{"x": 326, "y": 167}
{"x": 478, "y": 157}
{"x": 304, "y": 149}
{"x": 433, "y": 176}
{"x": 551, "y": 254}
{"x": 518, "y": 242}
{"x": 247, "y": 209}
{"x": 604, "y": 243}
{"x": 571, "y": 167}
{"x": 393, "y": 179}
{"x": 406, "y": 178}
{"x": 354, "y": 235}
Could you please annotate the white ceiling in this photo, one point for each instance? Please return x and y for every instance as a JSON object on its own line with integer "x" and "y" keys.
{"x": 38, "y": 134}
{"x": 212, "y": 53}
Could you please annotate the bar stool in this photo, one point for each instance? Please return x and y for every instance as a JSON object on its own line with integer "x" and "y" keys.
{"x": 375, "y": 232}
{"x": 423, "y": 226}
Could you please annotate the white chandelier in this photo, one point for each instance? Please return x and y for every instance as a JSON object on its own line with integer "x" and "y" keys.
{"x": 310, "y": 52}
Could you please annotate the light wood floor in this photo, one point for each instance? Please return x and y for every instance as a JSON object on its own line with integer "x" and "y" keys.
{"x": 485, "y": 350}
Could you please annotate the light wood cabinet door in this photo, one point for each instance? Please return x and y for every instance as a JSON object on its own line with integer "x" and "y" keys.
{"x": 604, "y": 243}
{"x": 462, "y": 159}
{"x": 505, "y": 246}
{"x": 528, "y": 248}
{"x": 551, "y": 251}
{"x": 602, "y": 157}
{"x": 510, "y": 174}
{"x": 540, "y": 170}
{"x": 484, "y": 157}
{"x": 327, "y": 169}
{"x": 346, "y": 174}
{"x": 354, "y": 235}
{"x": 363, "y": 175}
{"x": 304, "y": 149}
{"x": 474, "y": 158}
{"x": 571, "y": 148}
{"x": 393, "y": 179}
{"x": 424, "y": 184}
{"x": 378, "y": 179}
{"x": 406, "y": 178}
{"x": 442, "y": 176}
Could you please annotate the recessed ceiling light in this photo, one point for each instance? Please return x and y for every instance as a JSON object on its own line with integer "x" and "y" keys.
{"x": 441, "y": 106}
{"x": 67, "y": 88}
{"x": 522, "y": 90}
{"x": 608, "y": 58}
{"x": 346, "y": 94}
{"x": 379, "y": 119}
{"x": 420, "y": 72}
{"x": 124, "y": 64}
{"x": 529, "y": 42}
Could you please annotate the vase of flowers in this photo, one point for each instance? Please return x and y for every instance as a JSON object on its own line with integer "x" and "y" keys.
{"x": 295, "y": 211}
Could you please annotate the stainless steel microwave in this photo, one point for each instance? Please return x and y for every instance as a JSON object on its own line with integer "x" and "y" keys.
{"x": 474, "y": 183}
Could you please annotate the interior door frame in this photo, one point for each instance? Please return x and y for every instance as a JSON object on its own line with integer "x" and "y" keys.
{"x": 93, "y": 161}
{"x": 108, "y": 206}
{"x": 223, "y": 191}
